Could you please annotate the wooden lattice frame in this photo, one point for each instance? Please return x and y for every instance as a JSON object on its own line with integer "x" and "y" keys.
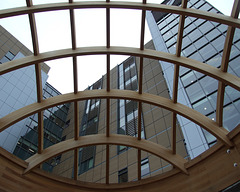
{"x": 221, "y": 75}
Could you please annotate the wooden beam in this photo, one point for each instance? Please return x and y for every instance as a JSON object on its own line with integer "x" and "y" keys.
{"x": 140, "y": 89}
{"x": 127, "y": 5}
{"x": 107, "y": 164}
{"x": 75, "y": 167}
{"x": 176, "y": 74}
{"x": 40, "y": 132}
{"x": 219, "y": 105}
{"x": 139, "y": 120}
{"x": 72, "y": 25}
{"x": 140, "y": 76}
{"x": 108, "y": 25}
{"x": 101, "y": 139}
{"x": 142, "y": 27}
{"x": 108, "y": 118}
{"x": 74, "y": 46}
{"x": 180, "y": 30}
{"x": 75, "y": 83}
{"x": 108, "y": 44}
{"x": 174, "y": 115}
{"x": 108, "y": 73}
{"x": 156, "y": 100}
{"x": 224, "y": 63}
{"x": 38, "y": 73}
{"x": 76, "y": 120}
{"x": 38, "y": 70}
{"x": 75, "y": 75}
{"x": 217, "y": 179}
{"x": 33, "y": 29}
{"x": 139, "y": 165}
{"x": 204, "y": 68}
{"x": 175, "y": 83}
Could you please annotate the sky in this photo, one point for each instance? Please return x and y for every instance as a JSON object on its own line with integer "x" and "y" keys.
{"x": 90, "y": 31}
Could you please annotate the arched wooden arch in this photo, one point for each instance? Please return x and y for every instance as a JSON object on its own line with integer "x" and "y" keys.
{"x": 101, "y": 139}
{"x": 124, "y": 5}
{"x": 204, "y": 68}
{"x": 180, "y": 109}
{"x": 216, "y": 128}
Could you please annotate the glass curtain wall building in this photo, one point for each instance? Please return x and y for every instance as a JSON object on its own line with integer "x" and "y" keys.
{"x": 18, "y": 89}
{"x": 202, "y": 41}
{"x": 53, "y": 124}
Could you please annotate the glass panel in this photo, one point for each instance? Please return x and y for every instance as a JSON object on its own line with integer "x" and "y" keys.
{"x": 232, "y": 93}
{"x": 205, "y": 27}
{"x": 188, "y": 78}
{"x": 207, "y": 51}
{"x": 123, "y": 176}
{"x": 219, "y": 43}
{"x": 199, "y": 43}
{"x": 203, "y": 106}
{"x": 144, "y": 167}
{"x": 195, "y": 92}
{"x": 215, "y": 61}
{"x": 212, "y": 34}
{"x": 231, "y": 116}
{"x": 209, "y": 84}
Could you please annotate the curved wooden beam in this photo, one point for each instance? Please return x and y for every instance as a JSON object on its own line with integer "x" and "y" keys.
{"x": 101, "y": 139}
{"x": 211, "y": 71}
{"x": 125, "y": 5}
{"x": 156, "y": 100}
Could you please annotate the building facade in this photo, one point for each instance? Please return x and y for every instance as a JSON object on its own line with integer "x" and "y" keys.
{"x": 202, "y": 41}
{"x": 155, "y": 127}
{"x": 54, "y": 122}
{"x": 18, "y": 89}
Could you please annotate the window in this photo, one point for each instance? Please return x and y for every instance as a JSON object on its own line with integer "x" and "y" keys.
{"x": 144, "y": 167}
{"x": 123, "y": 176}
{"x": 86, "y": 165}
{"x": 9, "y": 55}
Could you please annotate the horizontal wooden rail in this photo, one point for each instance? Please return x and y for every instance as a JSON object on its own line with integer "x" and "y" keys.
{"x": 125, "y": 5}
{"x": 101, "y": 139}
{"x": 156, "y": 100}
{"x": 211, "y": 71}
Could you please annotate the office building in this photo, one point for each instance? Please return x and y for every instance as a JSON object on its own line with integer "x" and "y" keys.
{"x": 18, "y": 89}
{"x": 54, "y": 123}
{"x": 202, "y": 41}
{"x": 104, "y": 145}
{"x": 155, "y": 126}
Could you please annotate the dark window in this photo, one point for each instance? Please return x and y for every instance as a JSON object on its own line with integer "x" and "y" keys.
{"x": 9, "y": 55}
{"x": 86, "y": 165}
{"x": 123, "y": 176}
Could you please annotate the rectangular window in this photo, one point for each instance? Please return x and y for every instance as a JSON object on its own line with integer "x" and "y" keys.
{"x": 144, "y": 167}
{"x": 123, "y": 176}
{"x": 9, "y": 55}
